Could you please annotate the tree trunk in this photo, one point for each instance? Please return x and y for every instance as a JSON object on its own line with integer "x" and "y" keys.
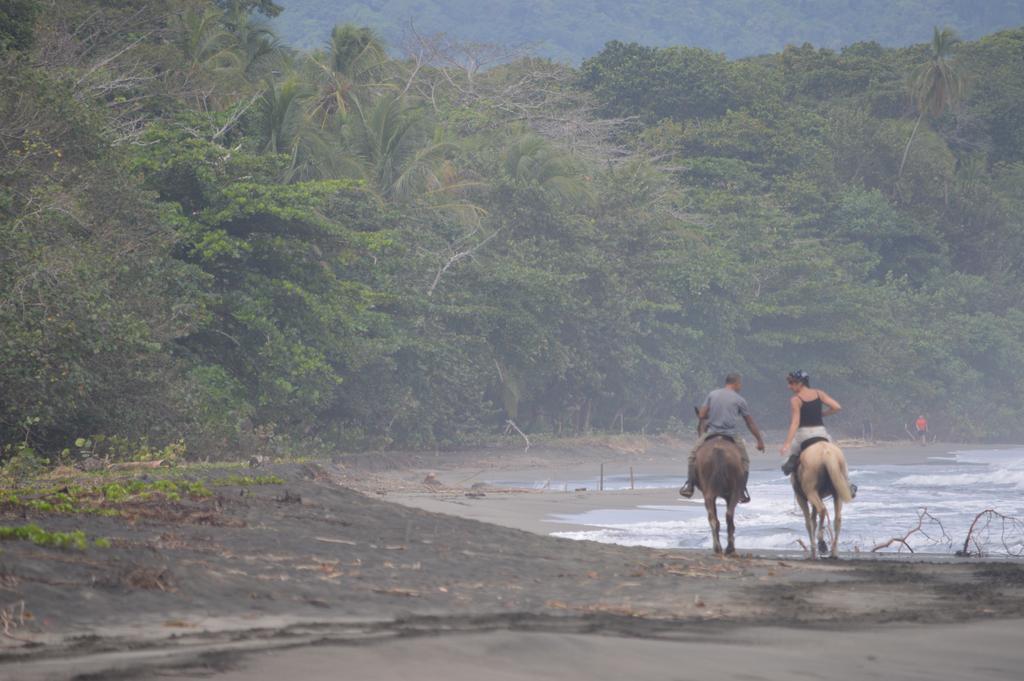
{"x": 906, "y": 149}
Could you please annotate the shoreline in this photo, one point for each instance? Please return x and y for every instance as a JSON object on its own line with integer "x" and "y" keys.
{"x": 321, "y": 569}
{"x": 462, "y": 490}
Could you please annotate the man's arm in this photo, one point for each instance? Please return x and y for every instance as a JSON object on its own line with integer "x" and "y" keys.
{"x": 755, "y": 431}
{"x": 702, "y": 419}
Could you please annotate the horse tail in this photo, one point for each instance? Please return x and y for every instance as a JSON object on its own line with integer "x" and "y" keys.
{"x": 720, "y": 479}
{"x": 834, "y": 464}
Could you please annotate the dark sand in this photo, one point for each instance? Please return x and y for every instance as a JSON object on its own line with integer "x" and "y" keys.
{"x": 316, "y": 580}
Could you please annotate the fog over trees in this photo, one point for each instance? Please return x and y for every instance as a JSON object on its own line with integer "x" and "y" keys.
{"x": 210, "y": 236}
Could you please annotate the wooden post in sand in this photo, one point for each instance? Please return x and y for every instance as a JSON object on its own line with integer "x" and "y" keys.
{"x": 631, "y": 477}
{"x": 600, "y": 486}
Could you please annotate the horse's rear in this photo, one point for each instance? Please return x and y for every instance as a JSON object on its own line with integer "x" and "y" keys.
{"x": 720, "y": 474}
{"x": 821, "y": 474}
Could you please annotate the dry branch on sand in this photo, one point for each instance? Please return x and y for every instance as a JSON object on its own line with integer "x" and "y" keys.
{"x": 12, "y": 617}
{"x": 928, "y": 526}
{"x": 991, "y": 526}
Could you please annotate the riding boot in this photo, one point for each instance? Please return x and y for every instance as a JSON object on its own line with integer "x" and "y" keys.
{"x": 745, "y": 498}
{"x": 853, "y": 490}
{"x": 791, "y": 463}
{"x": 687, "y": 489}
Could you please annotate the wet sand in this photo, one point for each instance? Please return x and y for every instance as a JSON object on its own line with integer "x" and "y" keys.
{"x": 533, "y": 509}
{"x": 978, "y": 651}
{"x": 326, "y": 578}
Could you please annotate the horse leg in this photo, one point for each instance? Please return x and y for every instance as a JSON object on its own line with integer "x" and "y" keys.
{"x": 730, "y": 548}
{"x": 808, "y": 522}
{"x": 709, "y": 504}
{"x": 818, "y": 513}
{"x": 822, "y": 526}
{"x": 837, "y": 522}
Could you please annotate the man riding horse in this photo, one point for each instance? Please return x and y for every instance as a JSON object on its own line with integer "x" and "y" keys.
{"x": 722, "y": 411}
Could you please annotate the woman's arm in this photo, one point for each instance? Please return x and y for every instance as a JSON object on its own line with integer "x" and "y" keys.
{"x": 794, "y": 423}
{"x": 833, "y": 406}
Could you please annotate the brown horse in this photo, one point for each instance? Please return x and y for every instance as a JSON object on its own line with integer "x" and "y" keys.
{"x": 720, "y": 474}
{"x": 821, "y": 473}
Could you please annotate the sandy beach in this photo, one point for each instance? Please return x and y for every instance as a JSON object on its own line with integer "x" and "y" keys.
{"x": 531, "y": 509}
{"x": 324, "y": 572}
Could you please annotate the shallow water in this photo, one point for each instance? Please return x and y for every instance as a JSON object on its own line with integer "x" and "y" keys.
{"x": 954, "y": 488}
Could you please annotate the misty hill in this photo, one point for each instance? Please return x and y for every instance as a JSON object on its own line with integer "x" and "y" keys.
{"x": 575, "y": 29}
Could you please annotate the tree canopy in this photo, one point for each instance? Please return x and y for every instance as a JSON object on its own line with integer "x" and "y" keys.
{"x": 210, "y": 236}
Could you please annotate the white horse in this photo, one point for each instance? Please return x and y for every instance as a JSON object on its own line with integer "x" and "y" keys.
{"x": 821, "y": 473}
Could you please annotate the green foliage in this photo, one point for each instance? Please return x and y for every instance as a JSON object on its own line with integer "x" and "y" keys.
{"x": 21, "y": 462}
{"x": 248, "y": 480}
{"x": 267, "y": 7}
{"x": 99, "y": 497}
{"x": 213, "y": 246}
{"x": 657, "y": 83}
{"x": 120, "y": 449}
{"x": 17, "y": 19}
{"x": 60, "y": 540}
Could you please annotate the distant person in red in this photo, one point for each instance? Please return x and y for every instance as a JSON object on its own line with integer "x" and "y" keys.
{"x": 922, "y": 429}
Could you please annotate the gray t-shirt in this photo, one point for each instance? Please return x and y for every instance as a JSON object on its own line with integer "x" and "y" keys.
{"x": 726, "y": 408}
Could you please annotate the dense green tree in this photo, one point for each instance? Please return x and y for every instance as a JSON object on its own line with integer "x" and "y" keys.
{"x": 208, "y": 236}
{"x": 937, "y": 84}
{"x": 17, "y": 23}
{"x": 656, "y": 83}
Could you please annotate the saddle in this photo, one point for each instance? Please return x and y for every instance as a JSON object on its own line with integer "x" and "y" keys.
{"x": 793, "y": 462}
{"x": 730, "y": 438}
{"x": 811, "y": 441}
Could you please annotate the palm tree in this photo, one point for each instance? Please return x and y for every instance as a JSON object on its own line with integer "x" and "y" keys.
{"x": 286, "y": 128}
{"x": 257, "y": 44}
{"x": 355, "y": 58}
{"x": 394, "y": 139}
{"x": 531, "y": 160}
{"x": 205, "y": 42}
{"x": 210, "y": 55}
{"x": 937, "y": 83}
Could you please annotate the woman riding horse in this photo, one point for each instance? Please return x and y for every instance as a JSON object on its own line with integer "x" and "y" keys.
{"x": 806, "y": 421}
{"x": 816, "y": 464}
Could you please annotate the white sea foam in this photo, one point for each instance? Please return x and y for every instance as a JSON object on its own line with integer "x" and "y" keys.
{"x": 954, "y": 488}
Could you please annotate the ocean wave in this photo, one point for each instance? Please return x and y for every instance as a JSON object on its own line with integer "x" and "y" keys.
{"x": 998, "y": 477}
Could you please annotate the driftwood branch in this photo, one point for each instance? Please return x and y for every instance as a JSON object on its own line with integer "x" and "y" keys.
{"x": 1009, "y": 531}
{"x": 12, "y": 617}
{"x": 923, "y": 516}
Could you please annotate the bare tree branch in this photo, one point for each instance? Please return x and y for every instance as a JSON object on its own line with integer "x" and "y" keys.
{"x": 922, "y": 516}
{"x": 458, "y": 256}
{"x": 1008, "y": 530}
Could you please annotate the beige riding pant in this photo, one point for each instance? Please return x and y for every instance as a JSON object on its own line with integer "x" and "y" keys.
{"x": 806, "y": 433}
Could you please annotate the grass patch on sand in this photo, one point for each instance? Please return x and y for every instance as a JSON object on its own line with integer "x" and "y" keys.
{"x": 105, "y": 495}
{"x": 100, "y": 497}
{"x": 61, "y": 540}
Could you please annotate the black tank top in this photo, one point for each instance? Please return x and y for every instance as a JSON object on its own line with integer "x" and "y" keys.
{"x": 810, "y": 413}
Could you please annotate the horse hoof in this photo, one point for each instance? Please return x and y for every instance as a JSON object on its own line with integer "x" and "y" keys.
{"x": 730, "y": 550}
